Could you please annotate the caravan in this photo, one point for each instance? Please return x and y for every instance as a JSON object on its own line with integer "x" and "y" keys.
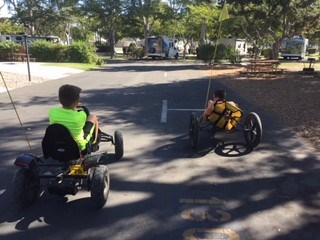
{"x": 295, "y": 47}
{"x": 162, "y": 47}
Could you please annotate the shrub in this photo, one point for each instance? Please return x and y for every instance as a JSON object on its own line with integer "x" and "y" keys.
{"x": 267, "y": 53}
{"x": 79, "y": 52}
{"x": 207, "y": 51}
{"x": 45, "y": 51}
{"x": 7, "y": 48}
{"x": 233, "y": 55}
{"x": 137, "y": 52}
{"x": 312, "y": 50}
{"x": 82, "y": 52}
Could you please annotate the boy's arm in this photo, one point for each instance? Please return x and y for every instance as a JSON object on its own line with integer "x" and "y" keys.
{"x": 83, "y": 108}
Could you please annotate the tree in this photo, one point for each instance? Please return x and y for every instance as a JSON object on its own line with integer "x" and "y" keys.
{"x": 41, "y": 17}
{"x": 146, "y": 14}
{"x": 7, "y": 27}
{"x": 275, "y": 20}
{"x": 108, "y": 13}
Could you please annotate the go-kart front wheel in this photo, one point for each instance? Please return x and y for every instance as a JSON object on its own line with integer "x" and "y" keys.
{"x": 193, "y": 130}
{"x": 252, "y": 130}
{"x": 100, "y": 185}
{"x": 26, "y": 187}
{"x": 118, "y": 144}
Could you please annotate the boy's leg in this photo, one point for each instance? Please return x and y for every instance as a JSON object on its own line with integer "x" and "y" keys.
{"x": 91, "y": 127}
{"x": 95, "y": 121}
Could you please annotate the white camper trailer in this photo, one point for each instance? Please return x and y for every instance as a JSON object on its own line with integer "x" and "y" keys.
{"x": 162, "y": 47}
{"x": 239, "y": 45}
{"x": 295, "y": 47}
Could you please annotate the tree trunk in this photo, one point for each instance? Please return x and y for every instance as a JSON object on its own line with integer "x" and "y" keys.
{"x": 203, "y": 32}
{"x": 112, "y": 39}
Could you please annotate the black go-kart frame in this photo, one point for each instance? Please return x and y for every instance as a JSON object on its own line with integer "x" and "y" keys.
{"x": 252, "y": 128}
{"x": 64, "y": 169}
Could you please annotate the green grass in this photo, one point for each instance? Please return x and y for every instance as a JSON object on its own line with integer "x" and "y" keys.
{"x": 80, "y": 66}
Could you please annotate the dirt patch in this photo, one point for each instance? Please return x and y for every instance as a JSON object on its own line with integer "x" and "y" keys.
{"x": 292, "y": 97}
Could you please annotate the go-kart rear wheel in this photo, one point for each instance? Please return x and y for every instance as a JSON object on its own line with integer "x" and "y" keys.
{"x": 100, "y": 185}
{"x": 193, "y": 130}
{"x": 252, "y": 129}
{"x": 26, "y": 187}
{"x": 118, "y": 144}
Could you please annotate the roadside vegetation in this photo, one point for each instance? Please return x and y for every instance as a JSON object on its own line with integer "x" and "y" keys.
{"x": 88, "y": 27}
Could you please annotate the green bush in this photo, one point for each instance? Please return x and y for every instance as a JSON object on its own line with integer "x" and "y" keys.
{"x": 45, "y": 51}
{"x": 312, "y": 50}
{"x": 7, "y": 48}
{"x": 233, "y": 55}
{"x": 137, "y": 52}
{"x": 82, "y": 52}
{"x": 78, "y": 52}
{"x": 267, "y": 53}
{"x": 207, "y": 51}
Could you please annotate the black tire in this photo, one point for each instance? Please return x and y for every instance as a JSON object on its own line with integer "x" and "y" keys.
{"x": 100, "y": 186}
{"x": 193, "y": 130}
{"x": 118, "y": 144}
{"x": 252, "y": 130}
{"x": 25, "y": 187}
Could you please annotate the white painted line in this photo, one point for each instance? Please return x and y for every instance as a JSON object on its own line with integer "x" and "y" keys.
{"x": 164, "y": 111}
{"x": 186, "y": 110}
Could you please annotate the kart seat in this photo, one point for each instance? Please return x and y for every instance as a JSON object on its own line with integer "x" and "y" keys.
{"x": 59, "y": 144}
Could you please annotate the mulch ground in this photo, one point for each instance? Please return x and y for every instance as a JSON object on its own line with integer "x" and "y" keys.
{"x": 292, "y": 97}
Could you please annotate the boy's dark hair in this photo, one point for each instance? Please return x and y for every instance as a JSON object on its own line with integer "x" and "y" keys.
{"x": 221, "y": 94}
{"x": 69, "y": 94}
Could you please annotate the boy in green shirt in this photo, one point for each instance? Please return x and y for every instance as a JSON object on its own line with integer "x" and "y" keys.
{"x": 82, "y": 125}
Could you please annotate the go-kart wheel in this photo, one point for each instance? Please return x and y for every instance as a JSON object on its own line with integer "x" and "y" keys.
{"x": 26, "y": 187}
{"x": 193, "y": 130}
{"x": 100, "y": 185}
{"x": 118, "y": 144}
{"x": 252, "y": 129}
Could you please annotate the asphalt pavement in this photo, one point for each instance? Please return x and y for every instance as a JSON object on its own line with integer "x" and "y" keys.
{"x": 162, "y": 188}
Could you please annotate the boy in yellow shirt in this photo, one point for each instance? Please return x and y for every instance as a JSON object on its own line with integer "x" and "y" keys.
{"x": 82, "y": 125}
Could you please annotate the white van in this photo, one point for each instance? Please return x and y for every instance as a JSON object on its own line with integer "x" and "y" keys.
{"x": 162, "y": 47}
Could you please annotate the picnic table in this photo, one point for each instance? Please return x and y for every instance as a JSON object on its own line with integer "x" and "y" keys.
{"x": 263, "y": 66}
{"x": 21, "y": 57}
{"x": 310, "y": 68}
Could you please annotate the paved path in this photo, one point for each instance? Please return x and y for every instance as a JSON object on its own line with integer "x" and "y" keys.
{"x": 162, "y": 189}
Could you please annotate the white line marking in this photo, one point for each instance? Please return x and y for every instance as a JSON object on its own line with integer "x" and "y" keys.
{"x": 164, "y": 111}
{"x": 186, "y": 110}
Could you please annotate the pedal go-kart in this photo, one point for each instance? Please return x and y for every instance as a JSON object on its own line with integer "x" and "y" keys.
{"x": 227, "y": 116}
{"x": 63, "y": 169}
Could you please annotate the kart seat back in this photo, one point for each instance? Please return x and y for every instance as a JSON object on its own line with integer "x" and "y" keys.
{"x": 59, "y": 144}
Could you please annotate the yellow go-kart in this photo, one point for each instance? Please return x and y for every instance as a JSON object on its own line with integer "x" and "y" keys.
{"x": 227, "y": 116}
{"x": 64, "y": 169}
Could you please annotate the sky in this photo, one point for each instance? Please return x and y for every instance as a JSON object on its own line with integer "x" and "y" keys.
{"x": 4, "y": 11}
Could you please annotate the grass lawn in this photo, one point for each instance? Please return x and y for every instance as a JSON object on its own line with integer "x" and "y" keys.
{"x": 80, "y": 66}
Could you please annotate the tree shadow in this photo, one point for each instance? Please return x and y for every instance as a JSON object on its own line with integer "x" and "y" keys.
{"x": 280, "y": 177}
